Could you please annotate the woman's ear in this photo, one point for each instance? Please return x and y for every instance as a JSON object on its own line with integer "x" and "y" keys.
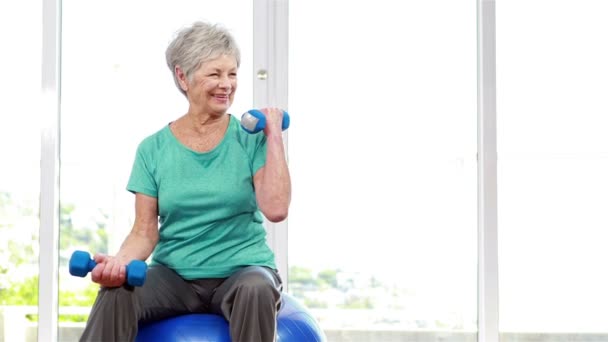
{"x": 181, "y": 78}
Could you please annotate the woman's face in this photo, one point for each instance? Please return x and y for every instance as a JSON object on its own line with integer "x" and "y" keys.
{"x": 213, "y": 85}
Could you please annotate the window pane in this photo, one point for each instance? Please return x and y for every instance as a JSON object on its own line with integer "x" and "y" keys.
{"x": 20, "y": 95}
{"x": 552, "y": 184}
{"x": 383, "y": 227}
{"x": 116, "y": 90}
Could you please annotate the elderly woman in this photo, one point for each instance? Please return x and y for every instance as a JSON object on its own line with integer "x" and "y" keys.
{"x": 207, "y": 182}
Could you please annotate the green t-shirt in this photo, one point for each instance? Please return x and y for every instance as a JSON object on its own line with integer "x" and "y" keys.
{"x": 210, "y": 224}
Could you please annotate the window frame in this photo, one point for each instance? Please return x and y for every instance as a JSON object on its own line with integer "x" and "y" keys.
{"x": 48, "y": 289}
{"x": 487, "y": 241}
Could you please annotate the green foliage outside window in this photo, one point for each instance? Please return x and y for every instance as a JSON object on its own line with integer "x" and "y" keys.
{"x": 26, "y": 294}
{"x": 310, "y": 287}
{"x": 20, "y": 253}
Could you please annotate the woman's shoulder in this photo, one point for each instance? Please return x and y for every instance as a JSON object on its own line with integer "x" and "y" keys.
{"x": 155, "y": 140}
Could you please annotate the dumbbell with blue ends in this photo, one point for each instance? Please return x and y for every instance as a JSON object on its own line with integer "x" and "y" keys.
{"x": 254, "y": 121}
{"x": 81, "y": 264}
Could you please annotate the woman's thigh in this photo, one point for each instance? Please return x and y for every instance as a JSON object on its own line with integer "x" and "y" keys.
{"x": 165, "y": 294}
{"x": 251, "y": 276}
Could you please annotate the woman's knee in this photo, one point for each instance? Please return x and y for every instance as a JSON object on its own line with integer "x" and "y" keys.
{"x": 260, "y": 281}
{"x": 115, "y": 298}
{"x": 106, "y": 293}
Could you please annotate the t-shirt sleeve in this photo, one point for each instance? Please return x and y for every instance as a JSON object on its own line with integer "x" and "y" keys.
{"x": 259, "y": 153}
{"x": 142, "y": 174}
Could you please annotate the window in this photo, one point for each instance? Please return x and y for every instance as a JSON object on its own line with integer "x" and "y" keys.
{"x": 20, "y": 170}
{"x": 383, "y": 223}
{"x": 552, "y": 167}
{"x": 116, "y": 90}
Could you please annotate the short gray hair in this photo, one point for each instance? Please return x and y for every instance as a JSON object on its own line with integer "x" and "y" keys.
{"x": 197, "y": 44}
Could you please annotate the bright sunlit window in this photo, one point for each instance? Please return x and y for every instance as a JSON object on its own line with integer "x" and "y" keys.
{"x": 383, "y": 225}
{"x": 116, "y": 90}
{"x": 20, "y": 98}
{"x": 553, "y": 162}
{"x": 382, "y": 230}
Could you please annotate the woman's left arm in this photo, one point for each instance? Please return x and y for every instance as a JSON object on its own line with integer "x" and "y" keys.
{"x": 272, "y": 181}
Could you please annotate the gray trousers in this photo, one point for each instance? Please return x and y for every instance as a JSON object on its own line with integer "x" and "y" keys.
{"x": 249, "y": 300}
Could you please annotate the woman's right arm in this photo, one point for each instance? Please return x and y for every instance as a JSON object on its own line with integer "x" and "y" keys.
{"x": 139, "y": 244}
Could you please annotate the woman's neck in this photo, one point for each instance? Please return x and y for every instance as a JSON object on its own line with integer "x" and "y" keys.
{"x": 203, "y": 122}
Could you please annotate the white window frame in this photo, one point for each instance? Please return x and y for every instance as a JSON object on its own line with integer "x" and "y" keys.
{"x": 487, "y": 291}
{"x": 48, "y": 280}
{"x": 270, "y": 38}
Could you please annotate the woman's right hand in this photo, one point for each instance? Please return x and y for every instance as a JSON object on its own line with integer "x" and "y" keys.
{"x": 274, "y": 120}
{"x": 109, "y": 272}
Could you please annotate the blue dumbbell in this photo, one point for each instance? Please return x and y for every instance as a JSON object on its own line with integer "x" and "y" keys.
{"x": 254, "y": 121}
{"x": 81, "y": 264}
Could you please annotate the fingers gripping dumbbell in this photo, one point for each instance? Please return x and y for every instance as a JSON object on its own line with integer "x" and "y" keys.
{"x": 254, "y": 121}
{"x": 81, "y": 264}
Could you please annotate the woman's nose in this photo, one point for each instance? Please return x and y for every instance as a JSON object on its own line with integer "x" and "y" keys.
{"x": 224, "y": 82}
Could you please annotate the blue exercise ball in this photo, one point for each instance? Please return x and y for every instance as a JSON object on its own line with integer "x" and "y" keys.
{"x": 294, "y": 324}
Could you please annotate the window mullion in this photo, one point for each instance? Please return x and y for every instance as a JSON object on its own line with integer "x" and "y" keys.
{"x": 270, "y": 39}
{"x": 487, "y": 174}
{"x": 49, "y": 173}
